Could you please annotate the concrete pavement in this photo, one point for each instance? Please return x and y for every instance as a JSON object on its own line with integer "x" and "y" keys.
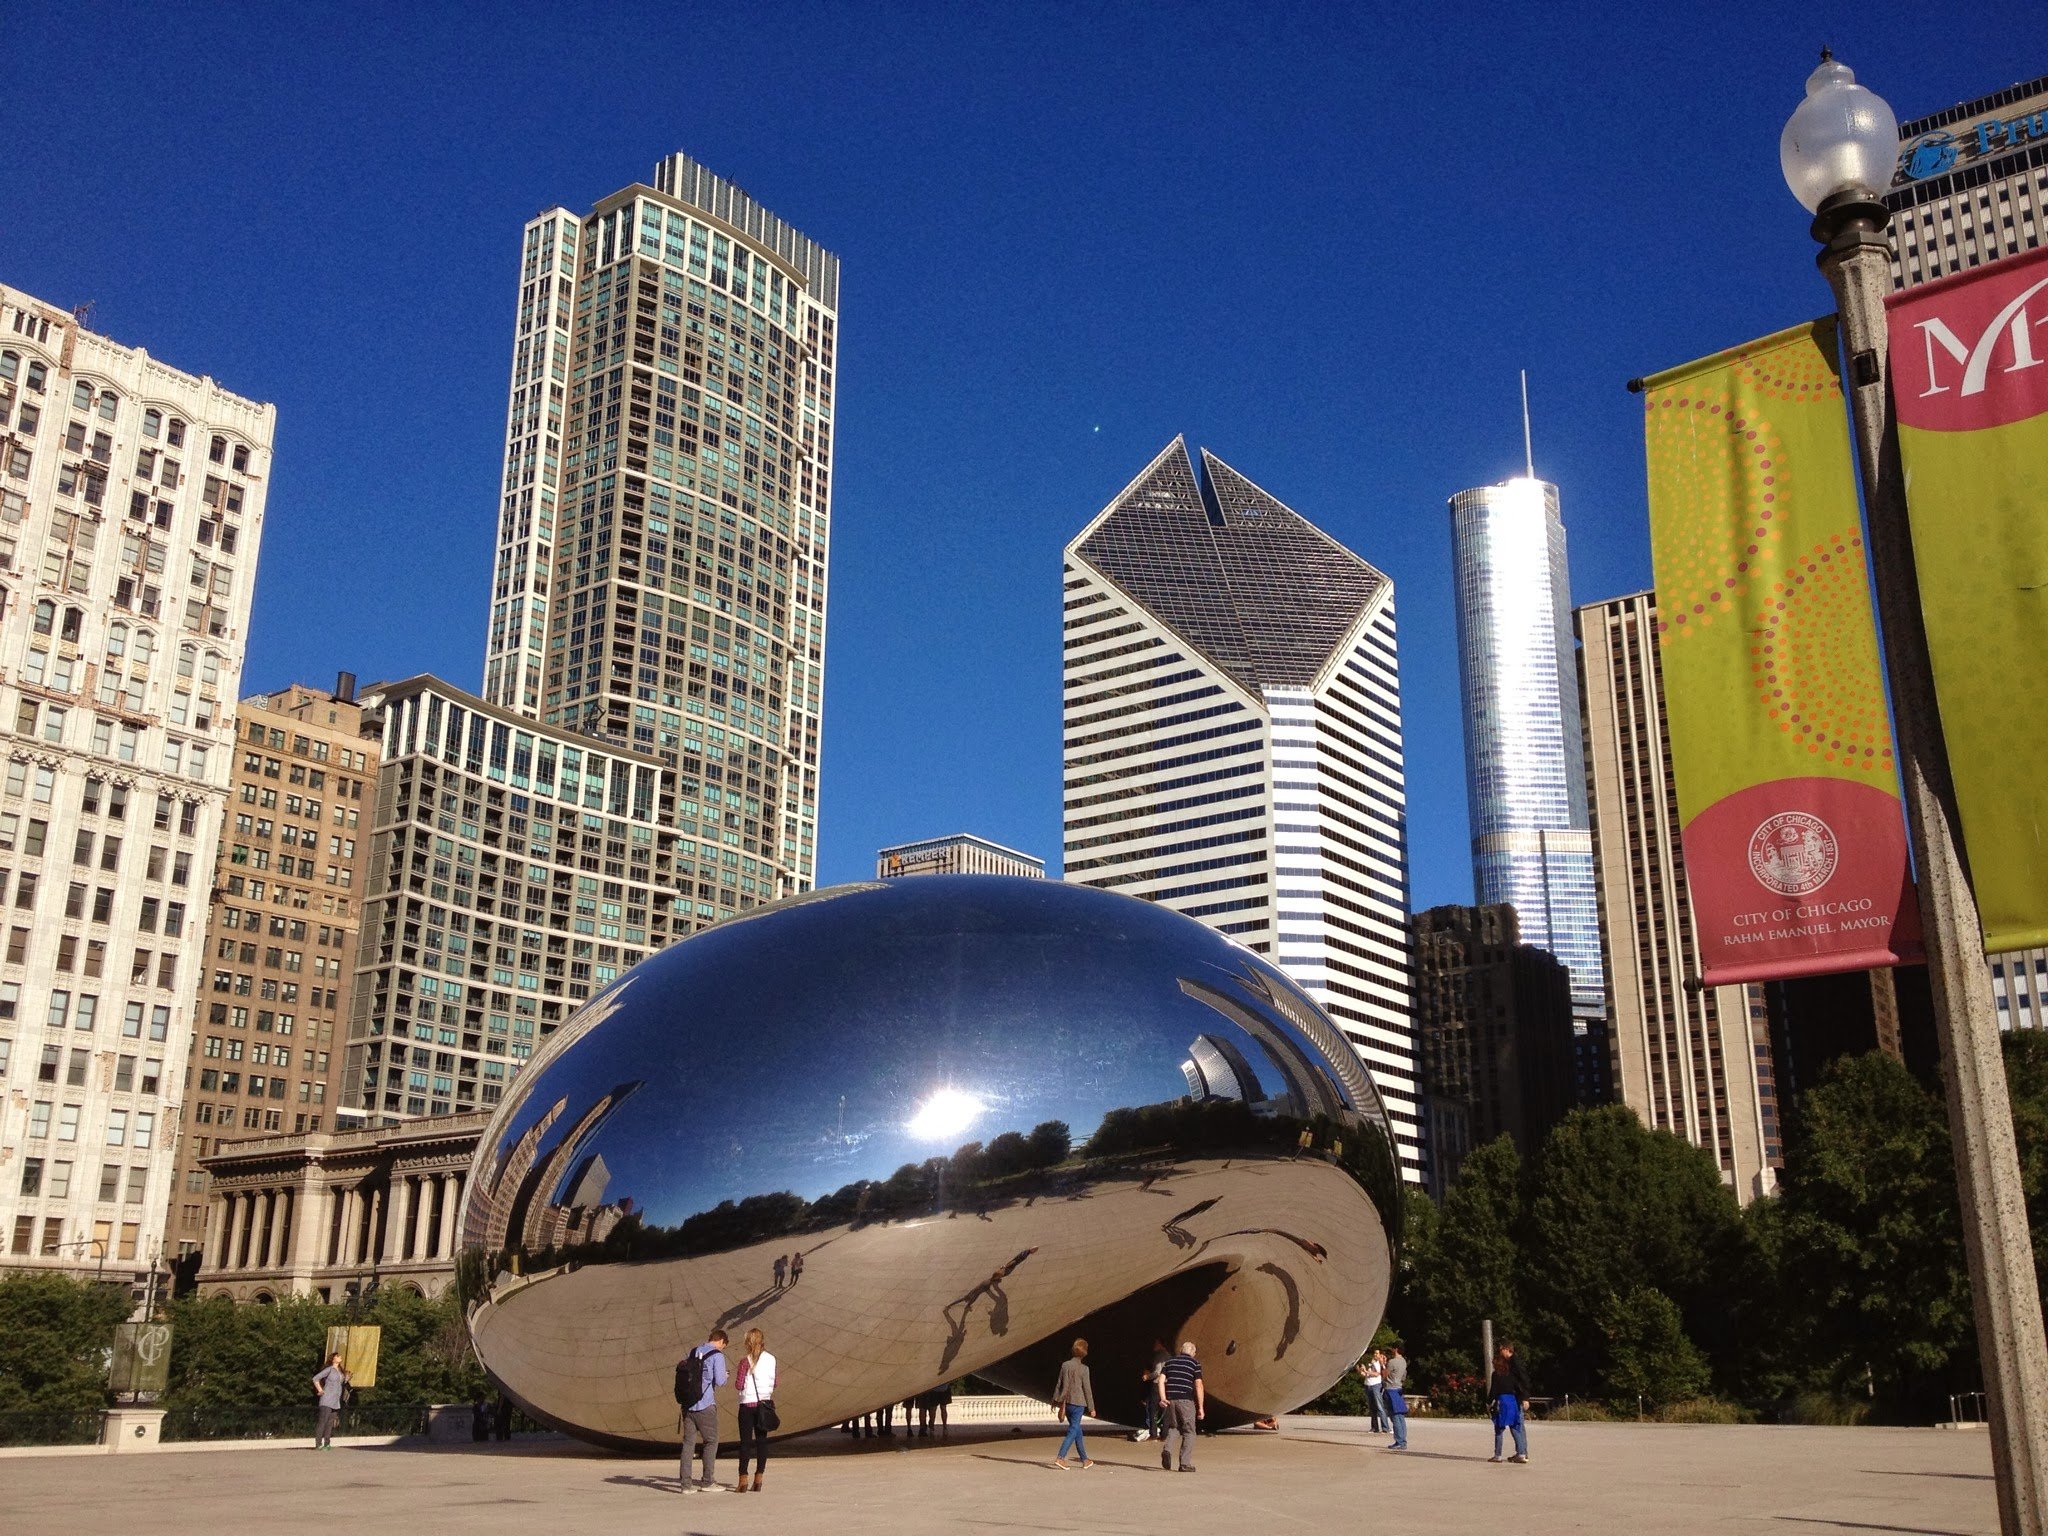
{"x": 1315, "y": 1475}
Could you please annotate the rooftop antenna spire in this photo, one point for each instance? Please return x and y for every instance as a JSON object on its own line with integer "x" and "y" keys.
{"x": 1528, "y": 452}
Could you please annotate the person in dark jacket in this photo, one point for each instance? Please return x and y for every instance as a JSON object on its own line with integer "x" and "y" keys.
{"x": 1507, "y": 1392}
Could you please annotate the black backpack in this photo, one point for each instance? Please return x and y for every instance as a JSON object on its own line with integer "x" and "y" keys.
{"x": 690, "y": 1379}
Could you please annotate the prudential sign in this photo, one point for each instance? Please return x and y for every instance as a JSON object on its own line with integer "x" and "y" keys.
{"x": 1936, "y": 153}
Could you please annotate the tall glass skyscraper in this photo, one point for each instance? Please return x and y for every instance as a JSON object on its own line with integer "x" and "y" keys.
{"x": 1525, "y": 757}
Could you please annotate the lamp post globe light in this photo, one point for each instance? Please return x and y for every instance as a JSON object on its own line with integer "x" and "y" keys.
{"x": 1837, "y": 153}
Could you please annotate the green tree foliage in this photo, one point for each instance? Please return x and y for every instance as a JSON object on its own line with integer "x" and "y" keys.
{"x": 1462, "y": 1265}
{"x": 1871, "y": 1253}
{"x": 224, "y": 1354}
{"x": 1621, "y": 1262}
{"x": 1613, "y": 1207}
{"x": 1648, "y": 1355}
{"x": 54, "y": 1336}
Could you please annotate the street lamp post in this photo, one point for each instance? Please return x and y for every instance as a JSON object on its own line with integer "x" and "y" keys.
{"x": 1838, "y": 149}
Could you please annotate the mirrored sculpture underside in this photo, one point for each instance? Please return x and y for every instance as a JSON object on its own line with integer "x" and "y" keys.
{"x": 991, "y": 1115}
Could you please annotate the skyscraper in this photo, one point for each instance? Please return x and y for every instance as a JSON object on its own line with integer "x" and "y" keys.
{"x": 1525, "y": 764}
{"x": 1972, "y": 184}
{"x": 1233, "y": 743}
{"x": 1494, "y": 1020}
{"x": 131, "y": 503}
{"x": 280, "y": 934}
{"x": 665, "y": 508}
{"x": 515, "y": 871}
{"x": 1689, "y": 1059}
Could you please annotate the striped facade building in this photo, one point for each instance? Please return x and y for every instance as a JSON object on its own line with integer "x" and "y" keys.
{"x": 1233, "y": 743}
{"x": 1692, "y": 1060}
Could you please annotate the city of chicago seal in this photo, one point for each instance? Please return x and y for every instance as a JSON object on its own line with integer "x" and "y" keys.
{"x": 1793, "y": 853}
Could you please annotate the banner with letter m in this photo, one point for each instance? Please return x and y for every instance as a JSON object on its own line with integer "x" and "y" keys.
{"x": 1969, "y": 361}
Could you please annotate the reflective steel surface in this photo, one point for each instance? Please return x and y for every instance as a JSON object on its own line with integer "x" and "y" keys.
{"x": 991, "y": 1114}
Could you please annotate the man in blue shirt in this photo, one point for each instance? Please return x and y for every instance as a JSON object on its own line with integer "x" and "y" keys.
{"x": 700, "y": 1419}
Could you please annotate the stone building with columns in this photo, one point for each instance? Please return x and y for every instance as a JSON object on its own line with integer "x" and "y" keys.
{"x": 324, "y": 1213}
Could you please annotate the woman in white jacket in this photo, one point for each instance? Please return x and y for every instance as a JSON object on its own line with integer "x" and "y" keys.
{"x": 757, "y": 1406}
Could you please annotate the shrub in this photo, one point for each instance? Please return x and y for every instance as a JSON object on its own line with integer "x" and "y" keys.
{"x": 1705, "y": 1410}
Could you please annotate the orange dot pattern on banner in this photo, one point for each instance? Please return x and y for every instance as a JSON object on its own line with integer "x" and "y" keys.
{"x": 1835, "y": 711}
{"x": 1707, "y": 559}
{"x": 1717, "y": 456}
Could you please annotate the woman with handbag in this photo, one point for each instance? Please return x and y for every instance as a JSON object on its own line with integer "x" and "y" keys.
{"x": 758, "y": 1419}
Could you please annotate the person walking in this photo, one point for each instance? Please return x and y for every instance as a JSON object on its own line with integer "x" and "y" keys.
{"x": 704, "y": 1370}
{"x": 1185, "y": 1404}
{"x": 1395, "y": 1384}
{"x": 796, "y": 1266}
{"x": 1154, "y": 1427}
{"x": 1508, "y": 1393}
{"x": 328, "y": 1386}
{"x": 757, "y": 1406}
{"x": 781, "y": 1270}
{"x": 1374, "y": 1369}
{"x": 1073, "y": 1396}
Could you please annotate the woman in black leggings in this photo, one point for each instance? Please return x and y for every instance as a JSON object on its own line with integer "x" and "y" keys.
{"x": 757, "y": 1406}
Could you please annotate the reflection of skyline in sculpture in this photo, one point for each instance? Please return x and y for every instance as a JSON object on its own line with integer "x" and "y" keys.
{"x": 528, "y": 1210}
{"x": 1104, "y": 1056}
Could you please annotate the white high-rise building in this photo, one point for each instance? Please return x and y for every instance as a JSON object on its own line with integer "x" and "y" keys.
{"x": 131, "y": 506}
{"x": 1525, "y": 757}
{"x": 665, "y": 510}
{"x": 1233, "y": 743}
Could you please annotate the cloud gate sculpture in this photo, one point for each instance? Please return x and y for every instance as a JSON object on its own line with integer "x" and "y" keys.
{"x": 990, "y": 1114}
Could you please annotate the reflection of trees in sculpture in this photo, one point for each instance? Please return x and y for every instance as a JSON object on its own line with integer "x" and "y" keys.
{"x": 1229, "y": 1113}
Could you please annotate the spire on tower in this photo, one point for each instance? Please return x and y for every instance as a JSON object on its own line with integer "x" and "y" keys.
{"x": 1528, "y": 452}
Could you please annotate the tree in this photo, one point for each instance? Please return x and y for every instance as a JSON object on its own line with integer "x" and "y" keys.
{"x": 1462, "y": 1265}
{"x": 2026, "y": 1078}
{"x": 54, "y": 1336}
{"x": 1648, "y": 1354}
{"x": 1615, "y": 1206}
{"x": 1872, "y": 1257}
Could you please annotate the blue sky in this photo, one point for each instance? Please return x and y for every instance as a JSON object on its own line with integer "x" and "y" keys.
{"x": 1319, "y": 239}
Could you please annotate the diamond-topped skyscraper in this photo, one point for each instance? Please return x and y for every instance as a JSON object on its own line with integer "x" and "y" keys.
{"x": 1233, "y": 743}
{"x": 1525, "y": 754}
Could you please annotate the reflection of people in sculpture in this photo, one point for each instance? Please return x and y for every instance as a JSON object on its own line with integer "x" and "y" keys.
{"x": 781, "y": 1270}
{"x": 1173, "y": 1225}
{"x": 796, "y": 1266}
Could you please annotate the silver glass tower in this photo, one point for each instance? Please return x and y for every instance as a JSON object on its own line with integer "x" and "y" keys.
{"x": 1525, "y": 759}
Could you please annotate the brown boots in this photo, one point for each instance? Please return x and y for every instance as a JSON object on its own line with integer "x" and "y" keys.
{"x": 741, "y": 1486}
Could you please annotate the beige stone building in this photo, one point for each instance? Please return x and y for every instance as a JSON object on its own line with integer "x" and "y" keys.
{"x": 273, "y": 994}
{"x": 961, "y": 854}
{"x": 326, "y": 1213}
{"x": 131, "y": 506}
{"x": 1689, "y": 1059}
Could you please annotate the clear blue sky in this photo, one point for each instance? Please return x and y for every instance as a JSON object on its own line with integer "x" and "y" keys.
{"x": 1319, "y": 239}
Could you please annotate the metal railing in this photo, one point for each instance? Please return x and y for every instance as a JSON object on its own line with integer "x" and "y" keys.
{"x": 290, "y": 1421}
{"x": 50, "y": 1426}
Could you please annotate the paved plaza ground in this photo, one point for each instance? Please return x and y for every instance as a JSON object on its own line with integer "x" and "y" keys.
{"x": 1323, "y": 1475}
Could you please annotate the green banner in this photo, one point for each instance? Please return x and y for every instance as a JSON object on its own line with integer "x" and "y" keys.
{"x": 1794, "y": 838}
{"x": 1970, "y": 383}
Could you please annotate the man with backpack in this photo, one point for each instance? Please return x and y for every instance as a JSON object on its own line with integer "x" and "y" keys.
{"x": 699, "y": 1375}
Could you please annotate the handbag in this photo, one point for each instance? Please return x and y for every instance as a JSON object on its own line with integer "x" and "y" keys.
{"x": 771, "y": 1421}
{"x": 1397, "y": 1402}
